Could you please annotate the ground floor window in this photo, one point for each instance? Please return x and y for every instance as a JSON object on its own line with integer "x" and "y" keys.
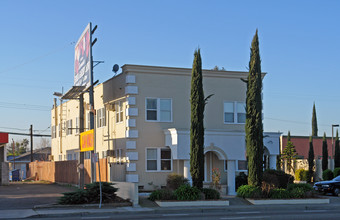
{"x": 158, "y": 159}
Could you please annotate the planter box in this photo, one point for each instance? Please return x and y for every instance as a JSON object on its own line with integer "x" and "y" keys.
{"x": 287, "y": 201}
{"x": 193, "y": 203}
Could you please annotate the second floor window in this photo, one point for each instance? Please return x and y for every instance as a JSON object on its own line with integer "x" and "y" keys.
{"x": 158, "y": 109}
{"x": 69, "y": 127}
{"x": 119, "y": 111}
{"x": 101, "y": 118}
{"x": 234, "y": 113}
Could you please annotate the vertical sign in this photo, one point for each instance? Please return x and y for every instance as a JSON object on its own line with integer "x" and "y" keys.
{"x": 87, "y": 141}
{"x": 82, "y": 59}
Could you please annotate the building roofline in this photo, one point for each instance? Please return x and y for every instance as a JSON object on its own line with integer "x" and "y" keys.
{"x": 182, "y": 71}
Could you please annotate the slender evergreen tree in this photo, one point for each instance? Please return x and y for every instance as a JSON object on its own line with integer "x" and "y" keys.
{"x": 337, "y": 151}
{"x": 314, "y": 123}
{"x": 197, "y": 128}
{"x": 288, "y": 136}
{"x": 324, "y": 153}
{"x": 254, "y": 126}
{"x": 289, "y": 155}
{"x": 310, "y": 159}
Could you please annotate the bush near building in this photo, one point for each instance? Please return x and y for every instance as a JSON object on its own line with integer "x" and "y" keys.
{"x": 336, "y": 172}
{"x": 301, "y": 175}
{"x": 327, "y": 174}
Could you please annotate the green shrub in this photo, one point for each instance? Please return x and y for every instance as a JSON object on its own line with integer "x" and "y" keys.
{"x": 280, "y": 194}
{"x": 241, "y": 179}
{"x": 247, "y": 191}
{"x": 327, "y": 174}
{"x": 174, "y": 181}
{"x": 76, "y": 197}
{"x": 162, "y": 194}
{"x": 300, "y": 190}
{"x": 186, "y": 192}
{"x": 306, "y": 187}
{"x": 211, "y": 193}
{"x": 277, "y": 178}
{"x": 90, "y": 195}
{"x": 298, "y": 193}
{"x": 336, "y": 172}
{"x": 301, "y": 175}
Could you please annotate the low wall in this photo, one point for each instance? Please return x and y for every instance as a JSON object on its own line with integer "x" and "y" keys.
{"x": 127, "y": 190}
{"x": 4, "y": 173}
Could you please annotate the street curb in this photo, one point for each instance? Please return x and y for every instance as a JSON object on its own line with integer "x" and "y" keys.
{"x": 130, "y": 210}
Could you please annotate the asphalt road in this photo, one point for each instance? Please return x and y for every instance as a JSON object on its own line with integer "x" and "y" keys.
{"x": 277, "y": 214}
{"x": 26, "y": 196}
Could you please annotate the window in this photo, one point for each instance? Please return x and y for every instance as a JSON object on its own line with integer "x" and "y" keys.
{"x": 69, "y": 127}
{"x": 119, "y": 111}
{"x": 88, "y": 121}
{"x": 118, "y": 155}
{"x": 242, "y": 165}
{"x": 158, "y": 109}
{"x": 101, "y": 118}
{"x": 54, "y": 132}
{"x": 158, "y": 159}
{"x": 77, "y": 125}
{"x": 234, "y": 112}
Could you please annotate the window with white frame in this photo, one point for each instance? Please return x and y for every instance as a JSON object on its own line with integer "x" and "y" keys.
{"x": 88, "y": 121}
{"x": 158, "y": 109}
{"x": 234, "y": 112}
{"x": 119, "y": 111}
{"x": 119, "y": 159}
{"x": 77, "y": 125}
{"x": 101, "y": 118}
{"x": 54, "y": 132}
{"x": 158, "y": 159}
{"x": 242, "y": 165}
{"x": 69, "y": 127}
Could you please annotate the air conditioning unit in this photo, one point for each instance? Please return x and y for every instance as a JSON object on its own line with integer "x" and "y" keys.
{"x": 50, "y": 157}
{"x": 110, "y": 107}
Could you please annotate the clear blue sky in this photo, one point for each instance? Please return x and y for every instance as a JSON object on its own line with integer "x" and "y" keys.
{"x": 299, "y": 46}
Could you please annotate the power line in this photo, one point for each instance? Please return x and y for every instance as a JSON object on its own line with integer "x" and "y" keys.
{"x": 24, "y": 134}
{"x": 24, "y": 106}
{"x": 36, "y": 58}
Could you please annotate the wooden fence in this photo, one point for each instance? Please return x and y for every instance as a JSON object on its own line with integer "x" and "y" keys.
{"x": 65, "y": 171}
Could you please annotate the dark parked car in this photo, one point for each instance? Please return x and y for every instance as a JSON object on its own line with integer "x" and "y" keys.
{"x": 330, "y": 186}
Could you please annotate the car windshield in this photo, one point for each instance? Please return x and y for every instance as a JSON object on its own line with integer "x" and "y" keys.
{"x": 336, "y": 178}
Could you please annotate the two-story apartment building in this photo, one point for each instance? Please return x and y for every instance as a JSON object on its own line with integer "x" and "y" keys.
{"x": 143, "y": 125}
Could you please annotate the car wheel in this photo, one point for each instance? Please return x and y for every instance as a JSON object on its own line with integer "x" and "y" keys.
{"x": 336, "y": 191}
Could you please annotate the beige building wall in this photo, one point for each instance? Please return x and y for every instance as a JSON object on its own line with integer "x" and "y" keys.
{"x": 132, "y": 134}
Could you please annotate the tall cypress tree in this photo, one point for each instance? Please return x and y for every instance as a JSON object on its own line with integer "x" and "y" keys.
{"x": 254, "y": 126}
{"x": 337, "y": 151}
{"x": 310, "y": 159}
{"x": 288, "y": 136}
{"x": 314, "y": 123}
{"x": 324, "y": 153}
{"x": 197, "y": 128}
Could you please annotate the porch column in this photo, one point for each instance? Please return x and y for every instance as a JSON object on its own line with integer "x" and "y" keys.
{"x": 187, "y": 171}
{"x": 272, "y": 162}
{"x": 231, "y": 177}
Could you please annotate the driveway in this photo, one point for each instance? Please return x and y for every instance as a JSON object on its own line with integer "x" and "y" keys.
{"x": 26, "y": 196}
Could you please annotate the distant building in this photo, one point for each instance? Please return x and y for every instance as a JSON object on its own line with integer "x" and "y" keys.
{"x": 22, "y": 161}
{"x": 143, "y": 126}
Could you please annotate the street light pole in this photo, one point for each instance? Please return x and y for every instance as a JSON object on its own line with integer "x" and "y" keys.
{"x": 332, "y": 156}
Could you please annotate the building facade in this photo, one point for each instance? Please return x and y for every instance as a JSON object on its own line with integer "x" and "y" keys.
{"x": 143, "y": 126}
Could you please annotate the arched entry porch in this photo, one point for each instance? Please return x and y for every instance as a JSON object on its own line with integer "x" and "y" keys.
{"x": 216, "y": 158}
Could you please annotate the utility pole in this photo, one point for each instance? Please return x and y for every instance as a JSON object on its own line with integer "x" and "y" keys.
{"x": 13, "y": 147}
{"x": 31, "y": 133}
{"x": 81, "y": 154}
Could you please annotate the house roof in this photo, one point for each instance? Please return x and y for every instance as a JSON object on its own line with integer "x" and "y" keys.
{"x": 301, "y": 144}
{"x": 38, "y": 154}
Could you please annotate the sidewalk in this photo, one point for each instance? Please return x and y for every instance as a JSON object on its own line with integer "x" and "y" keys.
{"x": 146, "y": 206}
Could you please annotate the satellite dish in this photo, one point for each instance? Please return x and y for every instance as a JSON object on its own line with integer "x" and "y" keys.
{"x": 115, "y": 68}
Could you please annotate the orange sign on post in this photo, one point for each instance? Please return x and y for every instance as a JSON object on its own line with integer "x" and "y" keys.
{"x": 86, "y": 141}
